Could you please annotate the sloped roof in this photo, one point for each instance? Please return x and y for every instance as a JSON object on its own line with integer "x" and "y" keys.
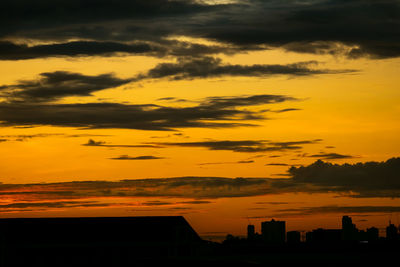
{"x": 98, "y": 230}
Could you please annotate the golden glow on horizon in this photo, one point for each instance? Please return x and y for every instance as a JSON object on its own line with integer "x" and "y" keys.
{"x": 356, "y": 113}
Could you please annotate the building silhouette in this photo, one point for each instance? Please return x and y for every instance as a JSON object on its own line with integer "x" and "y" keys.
{"x": 251, "y": 233}
{"x": 293, "y": 237}
{"x": 95, "y": 240}
{"x": 391, "y": 232}
{"x": 324, "y": 236}
{"x": 273, "y": 232}
{"x": 372, "y": 234}
{"x": 349, "y": 230}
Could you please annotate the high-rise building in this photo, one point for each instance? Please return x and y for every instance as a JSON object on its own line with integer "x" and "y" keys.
{"x": 251, "y": 233}
{"x": 349, "y": 230}
{"x": 273, "y": 232}
{"x": 372, "y": 234}
{"x": 293, "y": 237}
{"x": 391, "y": 232}
{"x": 324, "y": 236}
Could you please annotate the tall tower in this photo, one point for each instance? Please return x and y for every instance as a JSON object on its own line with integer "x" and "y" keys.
{"x": 349, "y": 230}
{"x": 274, "y": 232}
{"x": 251, "y": 232}
{"x": 391, "y": 232}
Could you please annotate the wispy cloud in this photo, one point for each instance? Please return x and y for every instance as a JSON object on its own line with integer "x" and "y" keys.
{"x": 337, "y": 209}
{"x": 212, "y": 112}
{"x": 323, "y": 155}
{"x": 92, "y": 142}
{"x": 361, "y": 180}
{"x": 228, "y": 162}
{"x": 59, "y": 84}
{"x": 126, "y": 157}
{"x": 210, "y": 67}
{"x": 247, "y": 146}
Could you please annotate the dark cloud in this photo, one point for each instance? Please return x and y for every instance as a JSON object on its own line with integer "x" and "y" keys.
{"x": 354, "y": 28}
{"x": 256, "y": 157}
{"x": 241, "y": 101}
{"x": 155, "y": 48}
{"x": 330, "y": 156}
{"x": 35, "y": 205}
{"x": 236, "y": 101}
{"x": 126, "y": 157}
{"x": 92, "y": 142}
{"x": 218, "y": 112}
{"x": 277, "y": 164}
{"x": 21, "y": 206}
{"x": 167, "y": 99}
{"x": 25, "y": 137}
{"x": 44, "y": 19}
{"x": 185, "y": 187}
{"x": 59, "y": 84}
{"x": 286, "y": 110}
{"x": 11, "y": 51}
{"x": 114, "y": 115}
{"x": 338, "y": 209}
{"x": 370, "y": 179}
{"x": 165, "y": 203}
{"x": 228, "y": 162}
{"x": 247, "y": 146}
{"x": 196, "y": 202}
{"x": 245, "y": 161}
{"x": 86, "y": 135}
{"x": 180, "y": 208}
{"x": 319, "y": 27}
{"x": 156, "y": 203}
{"x": 271, "y": 203}
{"x": 210, "y": 67}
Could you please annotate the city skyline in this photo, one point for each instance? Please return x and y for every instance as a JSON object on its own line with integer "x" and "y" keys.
{"x": 348, "y": 232}
{"x": 222, "y": 111}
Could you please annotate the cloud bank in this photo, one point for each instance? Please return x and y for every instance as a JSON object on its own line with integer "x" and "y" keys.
{"x": 352, "y": 28}
{"x": 360, "y": 180}
{"x": 213, "y": 112}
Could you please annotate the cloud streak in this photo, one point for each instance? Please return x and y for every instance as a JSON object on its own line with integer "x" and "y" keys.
{"x": 217, "y": 112}
{"x": 323, "y": 155}
{"x": 361, "y": 180}
{"x": 337, "y": 209}
{"x": 228, "y": 162}
{"x": 126, "y": 157}
{"x": 245, "y": 146}
{"x": 209, "y": 67}
{"x": 59, "y": 84}
{"x": 92, "y": 142}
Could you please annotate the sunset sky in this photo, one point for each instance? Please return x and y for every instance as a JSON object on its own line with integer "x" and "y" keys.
{"x": 225, "y": 112}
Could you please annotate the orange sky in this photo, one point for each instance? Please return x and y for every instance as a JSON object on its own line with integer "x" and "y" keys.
{"x": 347, "y": 113}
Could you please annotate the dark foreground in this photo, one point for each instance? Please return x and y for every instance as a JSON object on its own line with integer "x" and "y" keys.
{"x": 164, "y": 241}
{"x": 207, "y": 254}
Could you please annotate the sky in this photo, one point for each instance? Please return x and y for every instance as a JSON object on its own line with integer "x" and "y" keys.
{"x": 224, "y": 112}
